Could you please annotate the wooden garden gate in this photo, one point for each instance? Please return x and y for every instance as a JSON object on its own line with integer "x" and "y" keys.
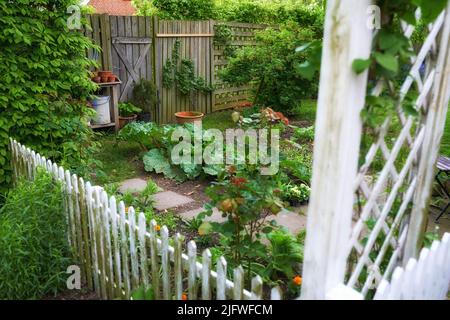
{"x": 342, "y": 248}
{"x": 132, "y": 52}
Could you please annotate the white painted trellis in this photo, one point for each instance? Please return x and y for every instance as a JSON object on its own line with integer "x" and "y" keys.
{"x": 335, "y": 255}
{"x": 118, "y": 252}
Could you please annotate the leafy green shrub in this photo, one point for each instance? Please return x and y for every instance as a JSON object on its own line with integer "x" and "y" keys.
{"x": 144, "y": 95}
{"x": 33, "y": 243}
{"x": 184, "y": 10}
{"x": 45, "y": 83}
{"x": 157, "y": 141}
{"x": 276, "y": 67}
{"x": 296, "y": 194}
{"x": 304, "y": 135}
{"x": 127, "y": 109}
{"x": 284, "y": 254}
{"x": 246, "y": 199}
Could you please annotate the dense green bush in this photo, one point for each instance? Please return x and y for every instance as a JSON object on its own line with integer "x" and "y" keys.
{"x": 44, "y": 83}
{"x": 185, "y": 9}
{"x": 275, "y": 67}
{"x": 33, "y": 243}
{"x": 305, "y": 13}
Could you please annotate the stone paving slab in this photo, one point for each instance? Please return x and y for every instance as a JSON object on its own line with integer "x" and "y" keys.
{"x": 215, "y": 217}
{"x": 293, "y": 221}
{"x": 169, "y": 199}
{"x": 132, "y": 185}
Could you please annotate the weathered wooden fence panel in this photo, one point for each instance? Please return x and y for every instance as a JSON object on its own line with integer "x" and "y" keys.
{"x": 196, "y": 38}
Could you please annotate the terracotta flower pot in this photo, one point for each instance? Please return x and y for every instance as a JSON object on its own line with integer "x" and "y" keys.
{"x": 112, "y": 78}
{"x": 188, "y": 116}
{"x": 124, "y": 120}
{"x": 104, "y": 73}
{"x": 104, "y": 79}
{"x": 96, "y": 79}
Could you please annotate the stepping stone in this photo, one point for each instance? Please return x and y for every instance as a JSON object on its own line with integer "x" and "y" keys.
{"x": 169, "y": 199}
{"x": 215, "y": 217}
{"x": 293, "y": 221}
{"x": 133, "y": 185}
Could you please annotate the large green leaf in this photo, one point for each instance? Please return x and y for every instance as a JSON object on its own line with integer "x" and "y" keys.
{"x": 359, "y": 65}
{"x": 387, "y": 61}
{"x": 155, "y": 161}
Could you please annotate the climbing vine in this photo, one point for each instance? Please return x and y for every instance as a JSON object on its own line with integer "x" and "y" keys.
{"x": 391, "y": 52}
{"x": 181, "y": 74}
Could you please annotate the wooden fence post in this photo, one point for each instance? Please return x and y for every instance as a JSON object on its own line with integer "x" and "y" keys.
{"x": 336, "y": 148}
{"x": 435, "y": 122}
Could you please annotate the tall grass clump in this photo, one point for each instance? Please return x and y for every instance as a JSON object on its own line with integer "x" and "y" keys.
{"x": 34, "y": 252}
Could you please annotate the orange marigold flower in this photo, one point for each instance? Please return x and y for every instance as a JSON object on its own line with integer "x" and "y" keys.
{"x": 184, "y": 296}
{"x": 157, "y": 227}
{"x": 297, "y": 280}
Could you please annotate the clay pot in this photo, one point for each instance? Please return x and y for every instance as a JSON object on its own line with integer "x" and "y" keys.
{"x": 104, "y": 73}
{"x": 124, "y": 120}
{"x": 96, "y": 79}
{"x": 188, "y": 116}
{"x": 104, "y": 79}
{"x": 112, "y": 78}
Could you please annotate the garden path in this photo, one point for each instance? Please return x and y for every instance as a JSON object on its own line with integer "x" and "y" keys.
{"x": 188, "y": 208}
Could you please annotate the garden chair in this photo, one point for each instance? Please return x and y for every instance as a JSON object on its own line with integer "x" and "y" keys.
{"x": 443, "y": 166}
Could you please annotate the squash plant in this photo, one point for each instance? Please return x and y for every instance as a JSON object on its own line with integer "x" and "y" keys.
{"x": 45, "y": 83}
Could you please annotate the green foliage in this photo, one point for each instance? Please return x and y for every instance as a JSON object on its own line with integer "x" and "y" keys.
{"x": 33, "y": 244}
{"x": 168, "y": 219}
{"x": 296, "y": 193}
{"x": 158, "y": 140}
{"x": 284, "y": 255}
{"x": 276, "y": 67}
{"x": 181, "y": 74}
{"x": 297, "y": 164}
{"x": 304, "y": 135}
{"x": 184, "y": 10}
{"x": 392, "y": 51}
{"x": 127, "y": 109}
{"x": 222, "y": 35}
{"x": 143, "y": 200}
{"x": 246, "y": 199}
{"x": 144, "y": 95}
{"x": 45, "y": 83}
{"x": 272, "y": 12}
{"x": 251, "y": 11}
{"x": 143, "y": 294}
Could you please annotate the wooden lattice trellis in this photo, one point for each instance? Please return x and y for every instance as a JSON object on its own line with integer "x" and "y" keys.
{"x": 227, "y": 95}
{"x": 375, "y": 213}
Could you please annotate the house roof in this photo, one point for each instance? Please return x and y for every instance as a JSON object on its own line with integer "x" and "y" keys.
{"x": 113, "y": 7}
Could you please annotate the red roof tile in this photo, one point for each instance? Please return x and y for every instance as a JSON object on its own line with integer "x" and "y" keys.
{"x": 113, "y": 7}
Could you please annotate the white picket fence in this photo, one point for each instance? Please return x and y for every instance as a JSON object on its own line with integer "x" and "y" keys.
{"x": 425, "y": 279}
{"x": 118, "y": 252}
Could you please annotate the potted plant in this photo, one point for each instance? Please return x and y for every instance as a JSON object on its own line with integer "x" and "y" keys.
{"x": 127, "y": 113}
{"x": 145, "y": 97}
